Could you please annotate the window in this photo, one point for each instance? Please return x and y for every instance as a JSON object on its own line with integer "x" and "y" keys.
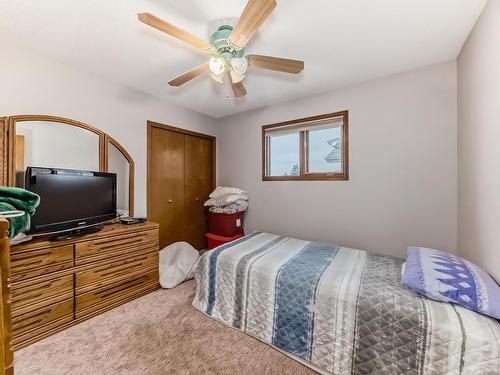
{"x": 313, "y": 148}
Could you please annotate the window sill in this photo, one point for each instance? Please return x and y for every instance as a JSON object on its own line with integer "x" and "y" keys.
{"x": 311, "y": 177}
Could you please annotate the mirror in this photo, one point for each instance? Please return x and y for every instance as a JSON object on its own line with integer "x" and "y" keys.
{"x": 50, "y": 141}
{"x": 52, "y": 144}
{"x": 119, "y": 163}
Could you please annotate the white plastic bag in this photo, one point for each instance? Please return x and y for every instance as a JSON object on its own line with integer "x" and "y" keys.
{"x": 176, "y": 263}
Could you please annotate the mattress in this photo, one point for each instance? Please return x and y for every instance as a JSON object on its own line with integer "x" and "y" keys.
{"x": 340, "y": 310}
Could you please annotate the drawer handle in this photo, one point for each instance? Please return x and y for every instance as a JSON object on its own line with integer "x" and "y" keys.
{"x": 30, "y": 297}
{"x": 170, "y": 201}
{"x": 132, "y": 284}
{"x": 121, "y": 243}
{"x": 119, "y": 240}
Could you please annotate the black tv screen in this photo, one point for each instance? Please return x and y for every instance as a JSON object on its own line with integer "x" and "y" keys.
{"x": 70, "y": 199}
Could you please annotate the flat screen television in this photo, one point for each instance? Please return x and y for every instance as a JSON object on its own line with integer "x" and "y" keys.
{"x": 70, "y": 199}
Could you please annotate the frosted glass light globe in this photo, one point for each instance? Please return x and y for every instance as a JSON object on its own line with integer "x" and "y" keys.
{"x": 217, "y": 65}
{"x": 240, "y": 65}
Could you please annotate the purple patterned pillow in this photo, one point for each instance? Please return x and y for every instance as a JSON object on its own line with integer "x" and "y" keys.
{"x": 445, "y": 277}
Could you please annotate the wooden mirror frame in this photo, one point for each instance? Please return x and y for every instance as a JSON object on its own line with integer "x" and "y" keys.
{"x": 10, "y": 148}
{"x": 4, "y": 150}
{"x": 131, "y": 171}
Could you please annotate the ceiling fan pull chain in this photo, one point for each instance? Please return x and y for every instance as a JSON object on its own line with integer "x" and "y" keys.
{"x": 227, "y": 94}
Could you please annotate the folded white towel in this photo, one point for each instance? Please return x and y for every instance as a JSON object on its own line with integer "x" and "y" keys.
{"x": 238, "y": 206}
{"x": 224, "y": 200}
{"x": 242, "y": 205}
{"x": 224, "y": 190}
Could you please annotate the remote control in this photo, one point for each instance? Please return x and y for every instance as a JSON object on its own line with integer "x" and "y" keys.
{"x": 133, "y": 220}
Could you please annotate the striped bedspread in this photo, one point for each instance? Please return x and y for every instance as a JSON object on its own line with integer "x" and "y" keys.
{"x": 339, "y": 310}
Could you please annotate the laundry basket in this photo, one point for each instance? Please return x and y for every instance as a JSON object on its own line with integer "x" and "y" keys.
{"x": 226, "y": 225}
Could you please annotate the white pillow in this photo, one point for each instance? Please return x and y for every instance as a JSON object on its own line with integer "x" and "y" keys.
{"x": 176, "y": 263}
{"x": 224, "y": 200}
{"x": 223, "y": 190}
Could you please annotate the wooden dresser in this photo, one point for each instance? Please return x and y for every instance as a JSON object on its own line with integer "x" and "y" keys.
{"x": 6, "y": 355}
{"x": 58, "y": 284}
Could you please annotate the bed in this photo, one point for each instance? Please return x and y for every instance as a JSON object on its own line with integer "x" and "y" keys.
{"x": 340, "y": 310}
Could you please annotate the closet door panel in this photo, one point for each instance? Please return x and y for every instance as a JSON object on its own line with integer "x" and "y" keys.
{"x": 198, "y": 185}
{"x": 166, "y": 179}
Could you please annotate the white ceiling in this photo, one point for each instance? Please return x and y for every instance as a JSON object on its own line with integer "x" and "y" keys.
{"x": 341, "y": 42}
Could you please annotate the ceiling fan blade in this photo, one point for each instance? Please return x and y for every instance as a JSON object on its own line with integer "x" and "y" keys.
{"x": 238, "y": 88}
{"x": 172, "y": 30}
{"x": 188, "y": 76}
{"x": 276, "y": 63}
{"x": 253, "y": 16}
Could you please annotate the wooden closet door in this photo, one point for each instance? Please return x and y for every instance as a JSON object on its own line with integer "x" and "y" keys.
{"x": 166, "y": 184}
{"x": 198, "y": 184}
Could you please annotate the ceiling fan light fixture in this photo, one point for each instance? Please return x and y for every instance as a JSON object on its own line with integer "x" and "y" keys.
{"x": 217, "y": 65}
{"x": 219, "y": 78}
{"x": 235, "y": 77}
{"x": 239, "y": 65}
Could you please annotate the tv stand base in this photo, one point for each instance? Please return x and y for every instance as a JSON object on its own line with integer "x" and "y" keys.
{"x": 76, "y": 233}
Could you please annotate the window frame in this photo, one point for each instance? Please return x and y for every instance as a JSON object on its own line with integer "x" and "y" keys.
{"x": 304, "y": 150}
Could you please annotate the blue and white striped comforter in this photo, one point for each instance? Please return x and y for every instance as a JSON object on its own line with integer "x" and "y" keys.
{"x": 340, "y": 310}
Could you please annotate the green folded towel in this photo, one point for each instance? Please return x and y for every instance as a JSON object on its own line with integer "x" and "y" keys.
{"x": 21, "y": 199}
{"x": 18, "y": 224}
{"x": 12, "y": 199}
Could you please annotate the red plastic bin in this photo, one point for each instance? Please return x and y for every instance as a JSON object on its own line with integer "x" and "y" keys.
{"x": 215, "y": 240}
{"x": 226, "y": 225}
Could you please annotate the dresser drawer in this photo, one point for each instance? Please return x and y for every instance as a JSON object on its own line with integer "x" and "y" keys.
{"x": 134, "y": 243}
{"x": 33, "y": 295}
{"x": 29, "y": 264}
{"x": 42, "y": 320}
{"x": 89, "y": 302}
{"x": 115, "y": 272}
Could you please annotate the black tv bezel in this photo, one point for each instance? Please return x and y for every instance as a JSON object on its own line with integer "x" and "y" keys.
{"x": 70, "y": 224}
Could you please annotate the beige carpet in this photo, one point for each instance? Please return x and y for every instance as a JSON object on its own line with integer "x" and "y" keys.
{"x": 160, "y": 333}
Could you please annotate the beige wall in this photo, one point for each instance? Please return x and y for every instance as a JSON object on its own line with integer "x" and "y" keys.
{"x": 403, "y": 174}
{"x": 479, "y": 143}
{"x": 33, "y": 84}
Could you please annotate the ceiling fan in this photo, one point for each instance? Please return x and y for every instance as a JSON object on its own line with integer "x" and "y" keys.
{"x": 227, "y": 47}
